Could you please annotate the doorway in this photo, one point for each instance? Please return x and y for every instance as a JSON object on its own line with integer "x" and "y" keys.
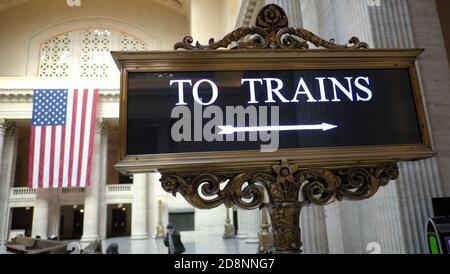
{"x": 71, "y": 222}
{"x": 21, "y": 222}
{"x": 119, "y": 220}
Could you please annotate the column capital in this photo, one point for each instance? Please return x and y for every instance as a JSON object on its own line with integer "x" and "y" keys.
{"x": 6, "y": 127}
{"x": 100, "y": 125}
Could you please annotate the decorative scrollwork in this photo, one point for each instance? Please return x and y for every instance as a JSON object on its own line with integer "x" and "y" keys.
{"x": 284, "y": 184}
{"x": 239, "y": 190}
{"x": 319, "y": 186}
{"x": 271, "y": 31}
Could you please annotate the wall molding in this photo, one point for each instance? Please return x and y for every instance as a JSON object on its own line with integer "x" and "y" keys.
{"x": 26, "y": 95}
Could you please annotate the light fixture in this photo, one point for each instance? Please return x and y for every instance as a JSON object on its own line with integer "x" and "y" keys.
{"x": 81, "y": 210}
{"x": 27, "y": 208}
{"x": 120, "y": 205}
{"x": 75, "y": 206}
{"x": 124, "y": 209}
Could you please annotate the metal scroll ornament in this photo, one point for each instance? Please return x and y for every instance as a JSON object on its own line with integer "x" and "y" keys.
{"x": 286, "y": 183}
{"x": 271, "y": 31}
{"x": 287, "y": 188}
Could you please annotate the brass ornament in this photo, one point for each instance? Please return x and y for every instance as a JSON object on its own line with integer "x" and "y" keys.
{"x": 271, "y": 31}
{"x": 288, "y": 188}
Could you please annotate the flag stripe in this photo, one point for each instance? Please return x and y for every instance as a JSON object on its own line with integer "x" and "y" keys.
{"x": 52, "y": 157}
{"x": 56, "y": 152}
{"x": 82, "y": 183}
{"x": 76, "y": 154}
{"x": 42, "y": 157}
{"x": 47, "y": 156}
{"x": 61, "y": 164}
{"x": 31, "y": 158}
{"x": 85, "y": 137}
{"x": 71, "y": 102}
{"x": 73, "y": 136}
{"x": 37, "y": 151}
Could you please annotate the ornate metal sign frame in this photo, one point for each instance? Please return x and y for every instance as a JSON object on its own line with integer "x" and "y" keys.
{"x": 290, "y": 179}
{"x": 271, "y": 59}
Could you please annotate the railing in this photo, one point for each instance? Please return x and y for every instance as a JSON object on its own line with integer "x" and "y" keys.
{"x": 70, "y": 190}
{"x": 22, "y": 193}
{"x": 119, "y": 193}
{"x": 113, "y": 189}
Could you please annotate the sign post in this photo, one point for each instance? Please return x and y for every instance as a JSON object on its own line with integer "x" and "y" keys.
{"x": 271, "y": 123}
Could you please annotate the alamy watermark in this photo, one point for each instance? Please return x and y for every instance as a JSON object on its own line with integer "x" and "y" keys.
{"x": 73, "y": 3}
{"x": 374, "y": 3}
{"x": 236, "y": 123}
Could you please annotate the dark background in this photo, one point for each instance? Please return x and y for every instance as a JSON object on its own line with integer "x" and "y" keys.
{"x": 390, "y": 118}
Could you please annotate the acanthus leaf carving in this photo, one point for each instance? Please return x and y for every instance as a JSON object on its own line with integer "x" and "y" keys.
{"x": 271, "y": 31}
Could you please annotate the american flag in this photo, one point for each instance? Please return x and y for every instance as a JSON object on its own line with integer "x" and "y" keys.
{"x": 61, "y": 140}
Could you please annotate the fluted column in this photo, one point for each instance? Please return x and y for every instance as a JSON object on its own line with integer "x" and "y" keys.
{"x": 139, "y": 228}
{"x": 293, "y": 10}
{"x": 157, "y": 206}
{"x": 91, "y": 202}
{"x": 434, "y": 70}
{"x": 40, "y": 214}
{"x": 398, "y": 212}
{"x": 334, "y": 228}
{"x": 54, "y": 212}
{"x": 154, "y": 216}
{"x": 314, "y": 231}
{"x": 103, "y": 182}
{"x": 392, "y": 26}
{"x": 253, "y": 226}
{"x": 242, "y": 224}
{"x": 6, "y": 129}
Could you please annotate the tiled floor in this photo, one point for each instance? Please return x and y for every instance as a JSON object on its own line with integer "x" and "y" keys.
{"x": 194, "y": 242}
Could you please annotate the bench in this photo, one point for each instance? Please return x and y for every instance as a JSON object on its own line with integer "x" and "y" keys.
{"x": 25, "y": 245}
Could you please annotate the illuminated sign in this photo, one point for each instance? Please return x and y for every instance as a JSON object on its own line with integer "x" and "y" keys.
{"x": 262, "y": 106}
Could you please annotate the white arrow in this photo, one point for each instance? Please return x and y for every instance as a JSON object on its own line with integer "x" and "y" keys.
{"x": 231, "y": 129}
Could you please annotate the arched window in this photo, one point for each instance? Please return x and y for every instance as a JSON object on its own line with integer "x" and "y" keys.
{"x": 85, "y": 53}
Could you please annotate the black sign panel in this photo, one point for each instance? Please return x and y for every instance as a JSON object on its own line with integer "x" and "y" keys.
{"x": 176, "y": 112}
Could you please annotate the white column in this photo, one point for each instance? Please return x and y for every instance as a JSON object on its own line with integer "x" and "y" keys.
{"x": 395, "y": 217}
{"x": 139, "y": 228}
{"x": 103, "y": 182}
{"x": 410, "y": 24}
{"x": 334, "y": 227}
{"x": 242, "y": 224}
{"x": 434, "y": 70}
{"x": 6, "y": 129}
{"x": 91, "y": 202}
{"x": 314, "y": 230}
{"x": 156, "y": 196}
{"x": 253, "y": 223}
{"x": 152, "y": 205}
{"x": 40, "y": 214}
{"x": 54, "y": 212}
